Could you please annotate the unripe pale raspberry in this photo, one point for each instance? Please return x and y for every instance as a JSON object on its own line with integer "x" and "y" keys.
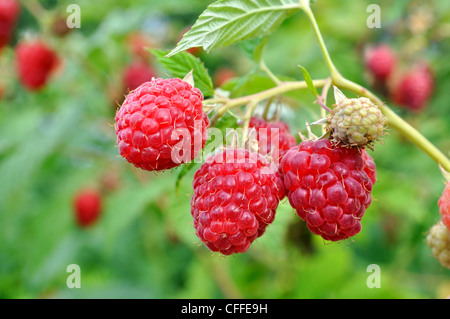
{"x": 35, "y": 62}
{"x": 236, "y": 193}
{"x": 272, "y": 136}
{"x": 9, "y": 13}
{"x": 414, "y": 89}
{"x": 438, "y": 240}
{"x": 161, "y": 124}
{"x": 87, "y": 207}
{"x": 381, "y": 61}
{"x": 356, "y": 122}
{"x": 329, "y": 186}
{"x": 444, "y": 206}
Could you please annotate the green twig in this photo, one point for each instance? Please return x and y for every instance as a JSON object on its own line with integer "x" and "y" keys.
{"x": 265, "y": 69}
{"x": 397, "y": 123}
{"x": 250, "y": 109}
{"x": 284, "y": 87}
{"x": 394, "y": 120}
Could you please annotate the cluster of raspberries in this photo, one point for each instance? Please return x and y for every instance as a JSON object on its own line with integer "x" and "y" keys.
{"x": 237, "y": 191}
{"x": 35, "y": 60}
{"x": 410, "y": 87}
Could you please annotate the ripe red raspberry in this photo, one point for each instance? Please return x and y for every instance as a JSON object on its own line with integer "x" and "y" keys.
{"x": 138, "y": 43}
{"x": 161, "y": 124}
{"x": 444, "y": 206}
{"x": 272, "y": 136}
{"x": 137, "y": 73}
{"x": 35, "y": 62}
{"x": 236, "y": 193}
{"x": 330, "y": 187}
{"x": 9, "y": 12}
{"x": 414, "y": 88}
{"x": 223, "y": 75}
{"x": 87, "y": 206}
{"x": 381, "y": 61}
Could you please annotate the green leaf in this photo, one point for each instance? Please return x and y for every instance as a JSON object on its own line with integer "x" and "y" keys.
{"x": 253, "y": 48}
{"x": 181, "y": 64}
{"x": 227, "y": 22}
{"x": 309, "y": 81}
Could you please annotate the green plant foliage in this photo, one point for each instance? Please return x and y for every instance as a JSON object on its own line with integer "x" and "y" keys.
{"x": 226, "y": 22}
{"x": 182, "y": 64}
{"x": 61, "y": 139}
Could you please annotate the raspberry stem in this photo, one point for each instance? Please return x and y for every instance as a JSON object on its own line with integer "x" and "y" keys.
{"x": 307, "y": 10}
{"x": 339, "y": 81}
{"x": 323, "y": 98}
{"x": 394, "y": 120}
{"x": 283, "y": 87}
{"x": 249, "y": 110}
{"x": 265, "y": 69}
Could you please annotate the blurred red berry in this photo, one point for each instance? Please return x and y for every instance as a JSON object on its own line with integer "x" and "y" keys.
{"x": 87, "y": 206}
{"x": 59, "y": 26}
{"x": 137, "y": 73}
{"x": 138, "y": 44}
{"x": 9, "y": 13}
{"x": 381, "y": 61}
{"x": 414, "y": 89}
{"x": 35, "y": 62}
{"x": 222, "y": 75}
{"x": 444, "y": 206}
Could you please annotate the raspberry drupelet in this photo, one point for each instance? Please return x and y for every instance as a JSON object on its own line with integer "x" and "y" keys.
{"x": 329, "y": 186}
{"x": 272, "y": 136}
{"x": 236, "y": 193}
{"x": 161, "y": 124}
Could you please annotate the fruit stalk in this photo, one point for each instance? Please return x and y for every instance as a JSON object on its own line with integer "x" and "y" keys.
{"x": 396, "y": 122}
{"x": 393, "y": 119}
{"x": 284, "y": 87}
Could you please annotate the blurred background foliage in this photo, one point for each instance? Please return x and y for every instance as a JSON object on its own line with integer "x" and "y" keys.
{"x": 61, "y": 139}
